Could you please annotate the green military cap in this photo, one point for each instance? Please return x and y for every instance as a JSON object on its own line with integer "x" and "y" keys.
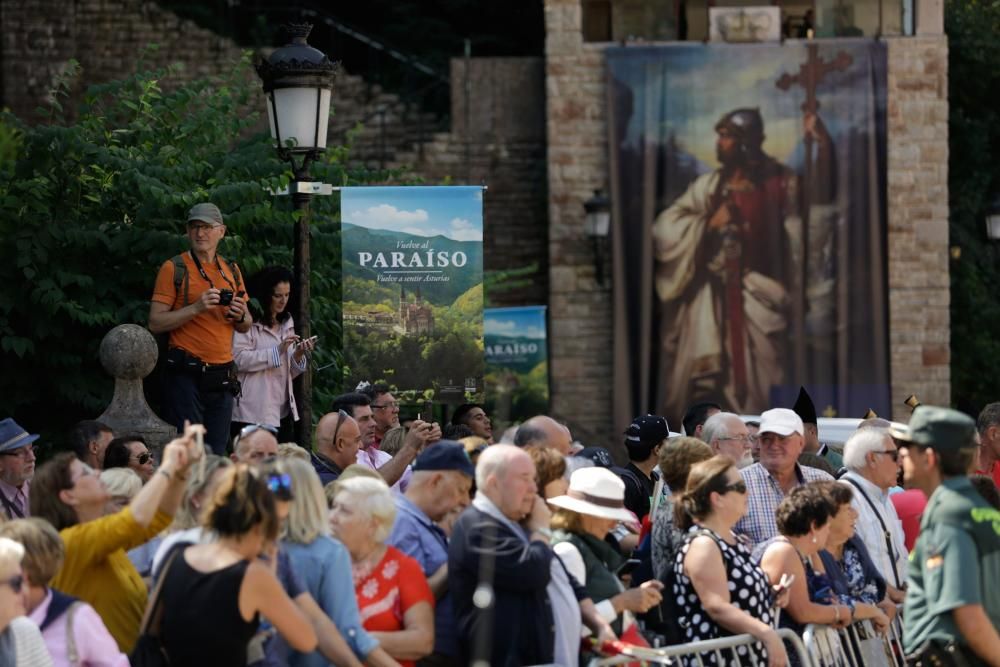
{"x": 943, "y": 429}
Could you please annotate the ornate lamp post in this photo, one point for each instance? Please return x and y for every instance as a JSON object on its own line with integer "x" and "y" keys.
{"x": 298, "y": 82}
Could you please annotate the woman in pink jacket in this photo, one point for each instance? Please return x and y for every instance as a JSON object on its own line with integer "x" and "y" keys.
{"x": 269, "y": 356}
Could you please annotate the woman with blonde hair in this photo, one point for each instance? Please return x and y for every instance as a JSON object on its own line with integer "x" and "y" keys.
{"x": 362, "y": 517}
{"x": 21, "y": 643}
{"x": 322, "y": 564}
{"x": 186, "y": 526}
{"x": 719, "y": 590}
{"x": 74, "y": 634}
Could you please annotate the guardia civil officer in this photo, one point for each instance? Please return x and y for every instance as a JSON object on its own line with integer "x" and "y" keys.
{"x": 952, "y": 606}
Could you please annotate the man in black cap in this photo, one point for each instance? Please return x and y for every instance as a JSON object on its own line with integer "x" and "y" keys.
{"x": 952, "y": 603}
{"x": 806, "y": 409}
{"x": 643, "y": 439}
{"x": 442, "y": 478}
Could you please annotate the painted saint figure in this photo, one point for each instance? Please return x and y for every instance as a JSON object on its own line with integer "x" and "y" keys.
{"x": 739, "y": 256}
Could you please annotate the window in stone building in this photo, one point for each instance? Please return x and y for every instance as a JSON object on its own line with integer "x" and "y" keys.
{"x": 671, "y": 20}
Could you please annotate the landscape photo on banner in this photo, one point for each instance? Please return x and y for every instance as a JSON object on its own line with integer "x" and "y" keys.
{"x": 517, "y": 364}
{"x": 748, "y": 186}
{"x": 413, "y": 290}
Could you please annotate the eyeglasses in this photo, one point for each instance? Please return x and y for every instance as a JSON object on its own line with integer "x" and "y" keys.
{"x": 144, "y": 458}
{"x": 394, "y": 405}
{"x": 738, "y": 487}
{"x": 22, "y": 452}
{"x": 15, "y": 582}
{"x": 280, "y": 485}
{"x": 891, "y": 453}
{"x": 739, "y": 438}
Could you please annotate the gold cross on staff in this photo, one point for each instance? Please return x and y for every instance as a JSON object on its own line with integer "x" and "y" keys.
{"x": 830, "y": 411}
{"x": 811, "y": 73}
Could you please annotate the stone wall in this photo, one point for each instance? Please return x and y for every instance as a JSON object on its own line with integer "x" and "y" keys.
{"x": 581, "y": 332}
{"x": 498, "y": 138}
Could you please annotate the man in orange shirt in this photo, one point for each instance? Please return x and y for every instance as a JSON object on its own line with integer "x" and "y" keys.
{"x": 988, "y": 425}
{"x": 199, "y": 299}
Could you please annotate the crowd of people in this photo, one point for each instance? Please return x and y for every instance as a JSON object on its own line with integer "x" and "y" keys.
{"x": 417, "y": 543}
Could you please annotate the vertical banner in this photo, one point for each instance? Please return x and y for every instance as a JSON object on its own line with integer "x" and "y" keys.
{"x": 517, "y": 363}
{"x": 748, "y": 185}
{"x": 413, "y": 290}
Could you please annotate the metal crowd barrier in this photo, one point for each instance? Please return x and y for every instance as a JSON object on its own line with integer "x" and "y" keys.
{"x": 857, "y": 645}
{"x": 724, "y": 649}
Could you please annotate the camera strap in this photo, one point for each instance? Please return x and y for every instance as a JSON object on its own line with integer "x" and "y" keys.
{"x": 204, "y": 275}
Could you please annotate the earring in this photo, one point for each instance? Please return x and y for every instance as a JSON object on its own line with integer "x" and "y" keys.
{"x": 813, "y": 538}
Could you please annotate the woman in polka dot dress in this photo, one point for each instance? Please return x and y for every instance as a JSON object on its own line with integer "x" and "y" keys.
{"x": 718, "y": 589}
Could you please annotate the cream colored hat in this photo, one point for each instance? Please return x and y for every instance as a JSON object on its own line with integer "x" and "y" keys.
{"x": 595, "y": 492}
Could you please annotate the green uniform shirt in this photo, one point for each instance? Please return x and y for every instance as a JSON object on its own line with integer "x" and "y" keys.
{"x": 955, "y": 562}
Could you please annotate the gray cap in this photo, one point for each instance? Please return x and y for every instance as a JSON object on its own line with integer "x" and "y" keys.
{"x": 943, "y": 429}
{"x": 206, "y": 212}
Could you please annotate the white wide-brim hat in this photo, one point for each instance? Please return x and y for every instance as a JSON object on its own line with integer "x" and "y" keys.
{"x": 595, "y": 492}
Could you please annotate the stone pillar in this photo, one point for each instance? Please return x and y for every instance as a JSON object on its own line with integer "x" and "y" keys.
{"x": 128, "y": 353}
{"x": 580, "y": 335}
{"x": 917, "y": 193}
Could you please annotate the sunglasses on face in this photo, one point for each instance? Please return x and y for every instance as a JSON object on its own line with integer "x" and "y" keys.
{"x": 144, "y": 458}
{"x": 15, "y": 582}
{"x": 891, "y": 453}
{"x": 738, "y": 487}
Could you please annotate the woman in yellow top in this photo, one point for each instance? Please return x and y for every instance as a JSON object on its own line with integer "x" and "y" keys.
{"x": 69, "y": 495}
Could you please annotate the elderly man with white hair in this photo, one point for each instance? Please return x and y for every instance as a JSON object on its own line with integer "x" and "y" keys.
{"x": 538, "y": 609}
{"x": 872, "y": 462}
{"x": 728, "y": 436}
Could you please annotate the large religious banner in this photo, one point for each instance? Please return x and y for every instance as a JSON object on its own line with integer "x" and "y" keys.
{"x": 413, "y": 290}
{"x": 517, "y": 364}
{"x": 748, "y": 189}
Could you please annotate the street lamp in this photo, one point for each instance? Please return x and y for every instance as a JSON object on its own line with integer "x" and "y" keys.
{"x": 993, "y": 220}
{"x": 597, "y": 226}
{"x": 298, "y": 81}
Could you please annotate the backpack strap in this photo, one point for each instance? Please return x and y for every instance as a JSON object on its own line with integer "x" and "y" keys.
{"x": 181, "y": 276}
{"x": 60, "y": 603}
{"x": 235, "y": 270}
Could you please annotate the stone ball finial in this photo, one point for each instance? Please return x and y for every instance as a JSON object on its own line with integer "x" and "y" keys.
{"x": 129, "y": 352}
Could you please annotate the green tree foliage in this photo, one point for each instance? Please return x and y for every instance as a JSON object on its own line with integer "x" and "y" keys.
{"x": 974, "y": 179}
{"x": 90, "y": 209}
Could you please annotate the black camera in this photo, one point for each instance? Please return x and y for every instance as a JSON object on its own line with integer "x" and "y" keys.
{"x": 225, "y": 297}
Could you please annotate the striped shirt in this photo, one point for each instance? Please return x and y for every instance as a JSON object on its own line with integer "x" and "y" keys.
{"x": 764, "y": 494}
